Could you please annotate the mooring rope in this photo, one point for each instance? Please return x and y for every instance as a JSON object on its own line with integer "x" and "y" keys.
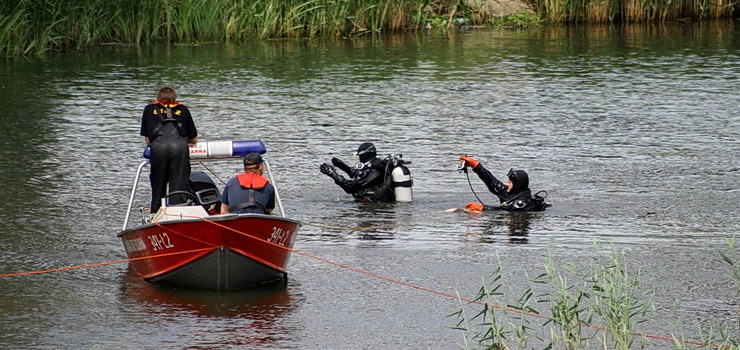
{"x": 164, "y": 211}
{"x": 367, "y": 273}
{"x": 68, "y": 268}
{"x": 351, "y": 229}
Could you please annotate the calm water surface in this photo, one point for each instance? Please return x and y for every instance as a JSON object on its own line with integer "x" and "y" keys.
{"x": 632, "y": 131}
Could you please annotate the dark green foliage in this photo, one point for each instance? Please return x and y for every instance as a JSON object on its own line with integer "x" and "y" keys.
{"x": 36, "y": 26}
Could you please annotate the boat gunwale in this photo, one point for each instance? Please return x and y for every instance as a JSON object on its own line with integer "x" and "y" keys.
{"x": 218, "y": 217}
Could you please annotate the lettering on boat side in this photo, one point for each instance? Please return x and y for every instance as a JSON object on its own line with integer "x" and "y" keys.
{"x": 197, "y": 150}
{"x": 279, "y": 236}
{"x": 160, "y": 241}
{"x": 134, "y": 245}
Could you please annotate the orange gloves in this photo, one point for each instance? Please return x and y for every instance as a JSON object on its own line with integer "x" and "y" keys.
{"x": 469, "y": 161}
{"x": 474, "y": 207}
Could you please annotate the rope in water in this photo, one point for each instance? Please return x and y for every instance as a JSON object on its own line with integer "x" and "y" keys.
{"x": 354, "y": 269}
{"x": 69, "y": 268}
{"x": 351, "y": 229}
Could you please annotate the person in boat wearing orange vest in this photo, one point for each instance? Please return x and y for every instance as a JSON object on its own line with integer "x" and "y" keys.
{"x": 168, "y": 127}
{"x": 249, "y": 192}
{"x": 514, "y": 195}
{"x": 370, "y": 180}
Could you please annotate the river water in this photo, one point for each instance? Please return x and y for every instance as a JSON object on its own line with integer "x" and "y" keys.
{"x": 633, "y": 132}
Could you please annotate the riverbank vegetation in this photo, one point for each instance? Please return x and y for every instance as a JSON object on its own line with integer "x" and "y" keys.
{"x": 597, "y": 308}
{"x": 37, "y": 26}
{"x": 630, "y": 11}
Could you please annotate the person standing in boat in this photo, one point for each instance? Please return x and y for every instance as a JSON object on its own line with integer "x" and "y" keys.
{"x": 369, "y": 181}
{"x": 249, "y": 192}
{"x": 168, "y": 127}
{"x": 514, "y": 195}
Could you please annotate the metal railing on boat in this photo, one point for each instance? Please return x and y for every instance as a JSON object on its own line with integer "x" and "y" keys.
{"x": 200, "y": 160}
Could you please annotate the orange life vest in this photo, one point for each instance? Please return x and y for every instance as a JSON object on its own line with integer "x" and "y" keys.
{"x": 252, "y": 180}
{"x": 172, "y": 104}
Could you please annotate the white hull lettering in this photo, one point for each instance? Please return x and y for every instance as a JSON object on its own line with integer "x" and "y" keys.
{"x": 134, "y": 245}
{"x": 280, "y": 236}
{"x": 160, "y": 241}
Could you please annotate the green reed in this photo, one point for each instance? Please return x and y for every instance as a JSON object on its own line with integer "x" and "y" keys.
{"x": 618, "y": 300}
{"x": 11, "y": 28}
{"x": 567, "y": 307}
{"x": 19, "y": 36}
{"x": 40, "y": 25}
{"x": 603, "y": 293}
{"x": 496, "y": 326}
{"x": 606, "y": 11}
{"x": 720, "y": 338}
{"x": 733, "y": 259}
{"x": 37, "y": 26}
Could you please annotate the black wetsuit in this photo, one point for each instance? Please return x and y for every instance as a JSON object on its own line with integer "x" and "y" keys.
{"x": 168, "y": 131}
{"x": 370, "y": 183}
{"x": 520, "y": 197}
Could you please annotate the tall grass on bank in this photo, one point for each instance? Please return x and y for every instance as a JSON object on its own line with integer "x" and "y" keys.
{"x": 36, "y": 26}
{"x": 40, "y": 25}
{"x": 604, "y": 294}
{"x": 20, "y": 36}
{"x": 627, "y": 11}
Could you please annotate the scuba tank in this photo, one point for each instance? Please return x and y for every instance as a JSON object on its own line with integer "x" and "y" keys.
{"x": 401, "y": 180}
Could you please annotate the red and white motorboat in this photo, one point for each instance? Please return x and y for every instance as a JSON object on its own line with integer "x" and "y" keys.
{"x": 185, "y": 246}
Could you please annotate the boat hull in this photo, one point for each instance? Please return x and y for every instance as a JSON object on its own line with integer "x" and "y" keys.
{"x": 222, "y": 252}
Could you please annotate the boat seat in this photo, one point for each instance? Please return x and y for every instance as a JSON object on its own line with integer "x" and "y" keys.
{"x": 167, "y": 213}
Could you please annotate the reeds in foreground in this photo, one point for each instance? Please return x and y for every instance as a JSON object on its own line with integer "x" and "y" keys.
{"x": 602, "y": 304}
{"x": 731, "y": 259}
{"x": 567, "y": 307}
{"x": 618, "y": 300}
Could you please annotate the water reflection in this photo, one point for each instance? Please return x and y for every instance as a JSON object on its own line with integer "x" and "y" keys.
{"x": 266, "y": 300}
{"x": 514, "y": 225}
{"x": 254, "y": 314}
{"x": 358, "y": 220}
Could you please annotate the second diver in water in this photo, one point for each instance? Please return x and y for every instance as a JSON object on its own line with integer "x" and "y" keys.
{"x": 514, "y": 195}
{"x": 372, "y": 179}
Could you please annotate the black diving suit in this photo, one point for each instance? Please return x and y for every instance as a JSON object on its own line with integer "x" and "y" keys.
{"x": 368, "y": 182}
{"x": 519, "y": 198}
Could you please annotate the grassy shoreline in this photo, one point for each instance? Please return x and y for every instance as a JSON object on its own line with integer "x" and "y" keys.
{"x": 34, "y": 27}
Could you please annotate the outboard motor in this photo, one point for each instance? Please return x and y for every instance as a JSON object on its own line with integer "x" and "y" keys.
{"x": 206, "y": 191}
{"x": 402, "y": 181}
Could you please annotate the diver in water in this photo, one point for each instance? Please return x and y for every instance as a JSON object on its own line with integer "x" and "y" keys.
{"x": 514, "y": 195}
{"x": 371, "y": 180}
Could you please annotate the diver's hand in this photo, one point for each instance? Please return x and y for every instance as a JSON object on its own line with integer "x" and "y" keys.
{"x": 469, "y": 161}
{"x": 328, "y": 170}
{"x": 342, "y": 166}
